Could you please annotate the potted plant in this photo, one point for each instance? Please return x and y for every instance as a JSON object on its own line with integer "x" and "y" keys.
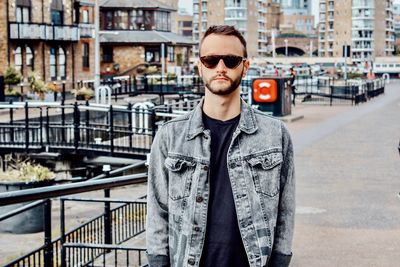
{"x": 37, "y": 85}
{"x": 12, "y": 77}
{"x": 53, "y": 89}
{"x": 23, "y": 173}
{"x": 12, "y": 94}
{"x": 83, "y": 93}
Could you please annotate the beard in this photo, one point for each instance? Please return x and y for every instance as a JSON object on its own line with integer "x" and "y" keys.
{"x": 217, "y": 89}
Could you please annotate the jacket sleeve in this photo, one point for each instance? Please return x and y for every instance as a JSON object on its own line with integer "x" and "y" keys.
{"x": 282, "y": 247}
{"x": 157, "y": 203}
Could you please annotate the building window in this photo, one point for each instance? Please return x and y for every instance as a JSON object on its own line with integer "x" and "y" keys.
{"x": 18, "y": 58}
{"x": 57, "y": 13}
{"x": 53, "y": 64}
{"x": 135, "y": 19}
{"x": 85, "y": 16}
{"x": 29, "y": 58}
{"x": 171, "y": 54}
{"x": 62, "y": 63}
{"x": 23, "y": 14}
{"x": 108, "y": 20}
{"x": 85, "y": 56}
{"x": 57, "y": 63}
{"x": 152, "y": 54}
{"x": 108, "y": 54}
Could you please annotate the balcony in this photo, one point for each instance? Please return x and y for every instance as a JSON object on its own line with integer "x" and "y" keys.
{"x": 86, "y": 30}
{"x": 45, "y": 32}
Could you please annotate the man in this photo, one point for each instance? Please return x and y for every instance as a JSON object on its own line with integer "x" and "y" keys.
{"x": 221, "y": 178}
{"x": 292, "y": 84}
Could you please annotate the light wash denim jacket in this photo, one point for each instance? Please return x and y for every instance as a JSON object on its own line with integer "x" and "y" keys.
{"x": 261, "y": 171}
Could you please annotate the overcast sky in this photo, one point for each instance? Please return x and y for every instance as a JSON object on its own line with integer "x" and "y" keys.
{"x": 188, "y": 5}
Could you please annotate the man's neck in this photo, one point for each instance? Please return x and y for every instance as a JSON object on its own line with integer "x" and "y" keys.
{"x": 222, "y": 107}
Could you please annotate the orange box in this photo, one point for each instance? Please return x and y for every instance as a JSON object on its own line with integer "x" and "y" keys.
{"x": 265, "y": 90}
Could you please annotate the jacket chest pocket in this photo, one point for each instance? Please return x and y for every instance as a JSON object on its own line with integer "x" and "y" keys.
{"x": 180, "y": 173}
{"x": 265, "y": 171}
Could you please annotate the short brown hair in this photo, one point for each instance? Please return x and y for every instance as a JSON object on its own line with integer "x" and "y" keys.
{"x": 225, "y": 30}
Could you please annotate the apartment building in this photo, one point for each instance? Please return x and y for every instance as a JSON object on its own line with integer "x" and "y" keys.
{"x": 134, "y": 32}
{"x": 184, "y": 22}
{"x": 295, "y": 7}
{"x": 52, "y": 38}
{"x": 248, "y": 16}
{"x": 366, "y": 26}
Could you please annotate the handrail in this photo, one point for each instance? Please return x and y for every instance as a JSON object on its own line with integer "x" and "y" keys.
{"x": 21, "y": 209}
{"x": 120, "y": 170}
{"x": 14, "y": 197}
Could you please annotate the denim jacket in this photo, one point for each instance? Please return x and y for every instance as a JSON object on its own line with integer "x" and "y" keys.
{"x": 261, "y": 171}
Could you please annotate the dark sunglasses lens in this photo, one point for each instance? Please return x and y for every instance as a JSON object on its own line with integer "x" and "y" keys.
{"x": 210, "y": 61}
{"x": 232, "y": 61}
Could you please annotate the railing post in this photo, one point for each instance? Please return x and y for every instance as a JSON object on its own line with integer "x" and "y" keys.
{"x": 63, "y": 94}
{"x": 111, "y": 132}
{"x": 62, "y": 232}
{"x": 48, "y": 247}
{"x": 107, "y": 210}
{"x": 76, "y": 126}
{"x": 11, "y": 125}
{"x": 87, "y": 117}
{"x": 26, "y": 127}
{"x": 130, "y": 125}
{"x": 48, "y": 126}
{"x": 153, "y": 123}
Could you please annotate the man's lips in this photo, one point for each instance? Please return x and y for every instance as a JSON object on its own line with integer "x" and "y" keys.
{"x": 221, "y": 78}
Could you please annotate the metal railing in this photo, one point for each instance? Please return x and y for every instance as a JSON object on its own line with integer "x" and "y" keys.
{"x": 113, "y": 227}
{"x": 104, "y": 129}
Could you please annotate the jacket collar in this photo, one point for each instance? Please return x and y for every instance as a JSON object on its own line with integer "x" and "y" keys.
{"x": 247, "y": 122}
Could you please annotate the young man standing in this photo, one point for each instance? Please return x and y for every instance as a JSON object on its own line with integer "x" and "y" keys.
{"x": 221, "y": 189}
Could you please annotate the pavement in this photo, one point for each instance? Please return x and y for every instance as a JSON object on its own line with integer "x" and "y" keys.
{"x": 347, "y": 171}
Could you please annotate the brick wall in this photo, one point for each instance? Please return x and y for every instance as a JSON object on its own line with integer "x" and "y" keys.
{"x": 3, "y": 37}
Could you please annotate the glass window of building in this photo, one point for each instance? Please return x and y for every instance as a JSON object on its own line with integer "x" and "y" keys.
{"x": 85, "y": 56}
{"x": 53, "y": 64}
{"x": 57, "y": 13}
{"x": 29, "y": 58}
{"x": 62, "y": 63}
{"x": 18, "y": 58}
{"x": 108, "y": 54}
{"x": 85, "y": 16}
{"x": 171, "y": 54}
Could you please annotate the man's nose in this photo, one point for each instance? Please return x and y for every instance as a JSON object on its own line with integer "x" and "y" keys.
{"x": 221, "y": 66}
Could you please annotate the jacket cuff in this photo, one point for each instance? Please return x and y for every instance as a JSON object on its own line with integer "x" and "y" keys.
{"x": 157, "y": 260}
{"x": 279, "y": 260}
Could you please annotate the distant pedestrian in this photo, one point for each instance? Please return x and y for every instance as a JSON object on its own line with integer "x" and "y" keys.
{"x": 370, "y": 75}
{"x": 292, "y": 84}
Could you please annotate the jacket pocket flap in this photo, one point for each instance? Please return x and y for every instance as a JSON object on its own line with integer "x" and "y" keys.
{"x": 176, "y": 165}
{"x": 268, "y": 161}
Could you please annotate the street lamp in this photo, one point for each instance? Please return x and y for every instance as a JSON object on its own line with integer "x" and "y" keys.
{"x": 286, "y": 47}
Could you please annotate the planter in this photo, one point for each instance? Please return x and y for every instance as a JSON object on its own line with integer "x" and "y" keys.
{"x": 30, "y": 221}
{"x": 11, "y": 98}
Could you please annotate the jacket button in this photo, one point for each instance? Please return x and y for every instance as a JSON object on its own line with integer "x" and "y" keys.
{"x": 191, "y": 261}
{"x": 199, "y": 199}
{"x": 197, "y": 229}
{"x": 205, "y": 168}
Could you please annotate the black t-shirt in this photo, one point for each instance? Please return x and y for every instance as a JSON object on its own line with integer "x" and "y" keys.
{"x": 223, "y": 245}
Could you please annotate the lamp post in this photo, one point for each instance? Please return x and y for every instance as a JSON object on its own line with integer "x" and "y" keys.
{"x": 286, "y": 47}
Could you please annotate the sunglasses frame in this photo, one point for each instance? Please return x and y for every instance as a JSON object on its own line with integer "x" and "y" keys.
{"x": 223, "y": 57}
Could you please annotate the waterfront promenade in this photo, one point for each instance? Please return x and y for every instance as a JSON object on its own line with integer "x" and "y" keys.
{"x": 348, "y": 184}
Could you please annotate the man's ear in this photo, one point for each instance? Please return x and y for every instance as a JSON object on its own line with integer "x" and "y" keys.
{"x": 246, "y": 65}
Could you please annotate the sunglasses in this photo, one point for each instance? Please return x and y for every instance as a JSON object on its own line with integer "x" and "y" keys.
{"x": 231, "y": 62}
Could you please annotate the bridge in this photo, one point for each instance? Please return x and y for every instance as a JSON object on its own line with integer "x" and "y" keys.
{"x": 297, "y": 45}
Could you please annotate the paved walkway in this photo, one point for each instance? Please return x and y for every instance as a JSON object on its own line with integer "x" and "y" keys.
{"x": 347, "y": 169}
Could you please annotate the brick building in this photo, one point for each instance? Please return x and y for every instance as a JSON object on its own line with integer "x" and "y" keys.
{"x": 134, "y": 31}
{"x": 52, "y": 38}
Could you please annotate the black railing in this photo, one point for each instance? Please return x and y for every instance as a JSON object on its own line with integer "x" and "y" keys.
{"x": 109, "y": 130}
{"x": 126, "y": 221}
{"x": 328, "y": 89}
